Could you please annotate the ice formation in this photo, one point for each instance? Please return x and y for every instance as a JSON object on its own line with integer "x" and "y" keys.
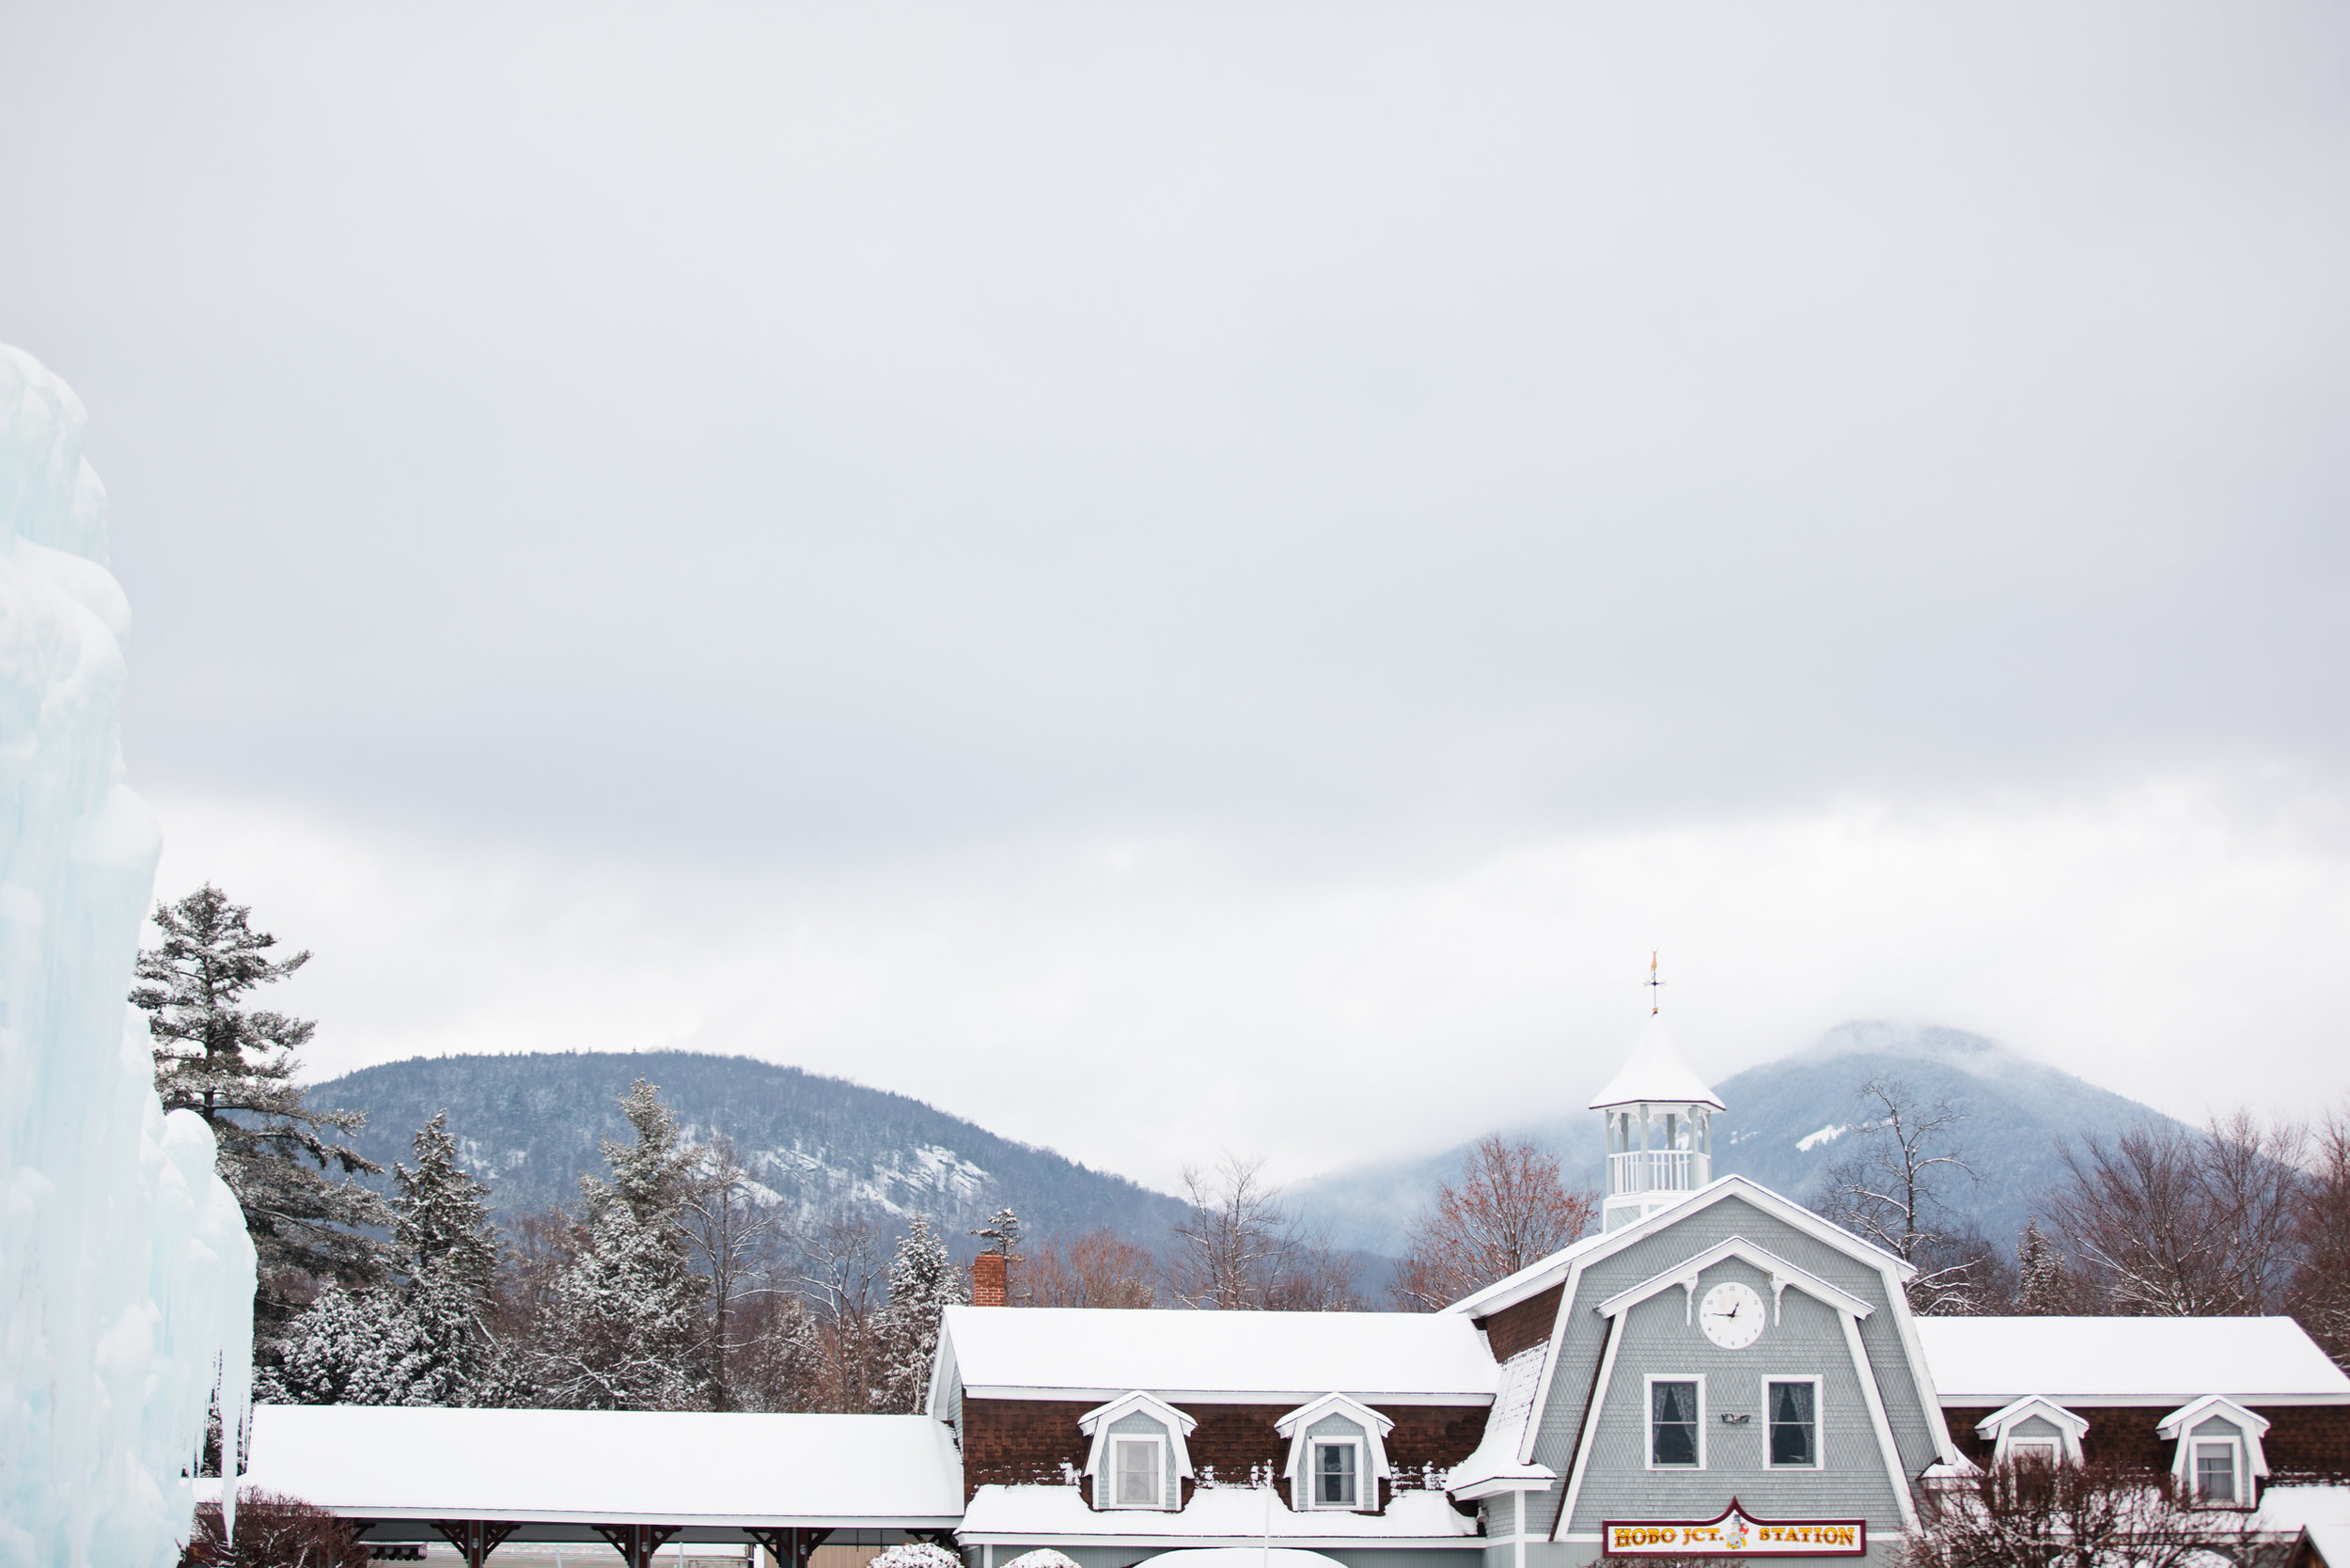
{"x": 126, "y": 1278}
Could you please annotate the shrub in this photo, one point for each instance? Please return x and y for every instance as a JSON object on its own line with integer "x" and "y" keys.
{"x": 274, "y": 1532}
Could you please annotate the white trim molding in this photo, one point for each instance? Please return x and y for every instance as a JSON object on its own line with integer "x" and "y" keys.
{"x": 1999, "y": 1427}
{"x": 1895, "y": 1476}
{"x": 1783, "y": 1272}
{"x": 1537, "y": 1277}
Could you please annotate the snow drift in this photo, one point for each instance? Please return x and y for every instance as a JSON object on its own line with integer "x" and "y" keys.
{"x": 126, "y": 1278}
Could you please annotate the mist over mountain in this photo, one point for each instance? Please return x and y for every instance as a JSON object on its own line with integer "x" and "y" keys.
{"x": 1789, "y": 1119}
{"x": 530, "y": 1125}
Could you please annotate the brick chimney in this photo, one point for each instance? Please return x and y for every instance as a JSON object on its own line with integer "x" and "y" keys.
{"x": 987, "y": 1279}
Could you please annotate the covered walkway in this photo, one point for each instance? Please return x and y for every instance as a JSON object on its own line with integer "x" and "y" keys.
{"x": 635, "y": 1481}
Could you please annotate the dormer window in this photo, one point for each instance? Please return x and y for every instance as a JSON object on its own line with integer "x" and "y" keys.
{"x": 1338, "y": 1453}
{"x": 2034, "y": 1431}
{"x": 2219, "y": 1460}
{"x": 1138, "y": 1457}
{"x": 1138, "y": 1472}
{"x": 1338, "y": 1468}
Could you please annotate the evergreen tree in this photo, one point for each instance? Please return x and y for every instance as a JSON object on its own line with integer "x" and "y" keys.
{"x": 234, "y": 1067}
{"x": 420, "y": 1341}
{"x": 923, "y": 1283}
{"x": 443, "y": 1242}
{"x": 346, "y": 1347}
{"x": 2040, "y": 1268}
{"x": 626, "y": 1309}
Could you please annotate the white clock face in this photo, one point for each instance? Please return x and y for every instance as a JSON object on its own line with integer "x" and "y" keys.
{"x": 1731, "y": 1315}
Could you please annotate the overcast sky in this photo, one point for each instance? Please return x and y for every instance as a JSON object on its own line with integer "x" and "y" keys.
{"x": 1169, "y": 577}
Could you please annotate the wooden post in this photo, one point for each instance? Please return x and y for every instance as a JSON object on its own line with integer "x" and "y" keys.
{"x": 476, "y": 1538}
{"x": 792, "y": 1547}
{"x": 636, "y": 1543}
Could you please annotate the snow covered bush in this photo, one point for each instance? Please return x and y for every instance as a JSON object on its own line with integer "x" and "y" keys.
{"x": 920, "y": 1554}
{"x": 1043, "y": 1557}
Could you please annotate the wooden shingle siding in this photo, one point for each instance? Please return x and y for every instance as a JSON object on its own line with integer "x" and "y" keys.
{"x": 1439, "y": 1435}
{"x": 1021, "y": 1442}
{"x": 1524, "y": 1325}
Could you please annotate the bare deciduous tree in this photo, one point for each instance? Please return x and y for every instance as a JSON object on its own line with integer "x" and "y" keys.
{"x": 1240, "y": 1250}
{"x": 2173, "y": 1223}
{"x": 2034, "y": 1514}
{"x": 1099, "y": 1268}
{"x": 1509, "y": 1208}
{"x": 840, "y": 1270}
{"x": 1890, "y": 1190}
{"x": 727, "y": 1226}
{"x": 2320, "y": 1289}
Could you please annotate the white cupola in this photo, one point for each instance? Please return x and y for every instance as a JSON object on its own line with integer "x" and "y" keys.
{"x": 1660, "y": 1130}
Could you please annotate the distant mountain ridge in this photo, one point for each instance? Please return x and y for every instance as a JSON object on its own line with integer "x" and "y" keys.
{"x": 1789, "y": 1119}
{"x": 530, "y": 1125}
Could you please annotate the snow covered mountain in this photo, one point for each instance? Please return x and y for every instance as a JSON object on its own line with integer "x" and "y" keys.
{"x": 530, "y": 1126}
{"x": 1789, "y": 1119}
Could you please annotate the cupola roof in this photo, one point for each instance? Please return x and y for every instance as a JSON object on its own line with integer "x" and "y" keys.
{"x": 1654, "y": 1075}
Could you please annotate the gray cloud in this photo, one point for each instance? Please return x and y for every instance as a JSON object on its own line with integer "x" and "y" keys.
{"x": 1358, "y": 437}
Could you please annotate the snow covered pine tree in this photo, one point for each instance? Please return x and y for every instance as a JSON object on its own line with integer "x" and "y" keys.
{"x": 235, "y": 1068}
{"x": 923, "y": 1283}
{"x": 626, "y": 1314}
{"x": 420, "y": 1341}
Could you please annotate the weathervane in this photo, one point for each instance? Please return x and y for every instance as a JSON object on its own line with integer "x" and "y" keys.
{"x": 1655, "y": 1002}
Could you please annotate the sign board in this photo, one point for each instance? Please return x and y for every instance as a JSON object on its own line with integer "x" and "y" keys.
{"x": 1734, "y": 1533}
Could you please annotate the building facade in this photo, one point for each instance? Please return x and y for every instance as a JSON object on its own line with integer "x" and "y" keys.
{"x": 1718, "y": 1372}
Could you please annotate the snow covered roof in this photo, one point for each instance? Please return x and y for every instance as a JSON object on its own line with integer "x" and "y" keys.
{"x": 2331, "y": 1542}
{"x": 2285, "y": 1510}
{"x": 1224, "y": 1357}
{"x": 605, "y": 1467}
{"x": 2128, "y": 1360}
{"x": 1495, "y": 1464}
{"x": 1216, "y": 1516}
{"x": 1655, "y": 1074}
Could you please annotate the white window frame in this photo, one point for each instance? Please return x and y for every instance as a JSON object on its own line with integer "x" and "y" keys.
{"x": 1648, "y": 1419}
{"x": 1313, "y": 1474}
{"x": 2234, "y": 1445}
{"x": 1157, "y": 1442}
{"x": 1818, "y": 1423}
{"x": 2050, "y": 1448}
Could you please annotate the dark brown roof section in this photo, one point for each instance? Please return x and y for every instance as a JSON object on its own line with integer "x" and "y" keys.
{"x": 1524, "y": 1325}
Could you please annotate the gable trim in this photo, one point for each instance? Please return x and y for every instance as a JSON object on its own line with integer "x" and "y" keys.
{"x": 1783, "y": 1272}
{"x": 1538, "y": 1277}
{"x": 1601, "y": 1383}
{"x": 1894, "y": 1475}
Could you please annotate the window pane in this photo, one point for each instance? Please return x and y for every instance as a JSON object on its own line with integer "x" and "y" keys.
{"x": 1334, "y": 1474}
{"x": 1794, "y": 1427}
{"x": 1139, "y": 1474}
{"x": 2215, "y": 1471}
{"x": 1673, "y": 1423}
